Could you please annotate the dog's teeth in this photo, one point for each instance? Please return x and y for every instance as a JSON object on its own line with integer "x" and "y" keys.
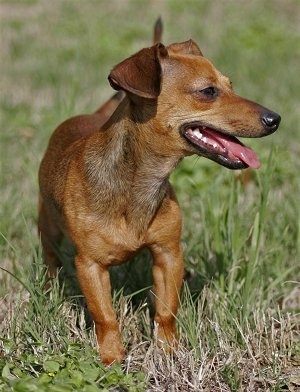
{"x": 197, "y": 133}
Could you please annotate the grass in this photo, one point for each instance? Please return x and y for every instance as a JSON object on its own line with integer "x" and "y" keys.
{"x": 239, "y": 313}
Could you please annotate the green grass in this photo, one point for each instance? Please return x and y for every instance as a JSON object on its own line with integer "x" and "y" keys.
{"x": 239, "y": 313}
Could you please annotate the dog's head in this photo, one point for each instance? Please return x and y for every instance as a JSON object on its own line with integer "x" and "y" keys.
{"x": 195, "y": 103}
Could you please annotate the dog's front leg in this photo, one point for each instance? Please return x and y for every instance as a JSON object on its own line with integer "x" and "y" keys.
{"x": 94, "y": 281}
{"x": 167, "y": 280}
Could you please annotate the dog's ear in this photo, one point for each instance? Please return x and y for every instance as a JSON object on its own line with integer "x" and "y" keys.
{"x": 141, "y": 73}
{"x": 186, "y": 47}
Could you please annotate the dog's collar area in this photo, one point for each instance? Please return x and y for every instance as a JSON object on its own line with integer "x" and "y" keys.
{"x": 222, "y": 148}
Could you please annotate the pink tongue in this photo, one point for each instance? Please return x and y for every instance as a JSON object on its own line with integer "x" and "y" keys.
{"x": 236, "y": 149}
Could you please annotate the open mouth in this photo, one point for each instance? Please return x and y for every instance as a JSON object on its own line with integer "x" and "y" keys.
{"x": 222, "y": 148}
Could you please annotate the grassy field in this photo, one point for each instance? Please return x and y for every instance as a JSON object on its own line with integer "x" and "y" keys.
{"x": 239, "y": 314}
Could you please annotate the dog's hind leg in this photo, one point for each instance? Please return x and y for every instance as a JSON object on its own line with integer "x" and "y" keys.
{"x": 51, "y": 237}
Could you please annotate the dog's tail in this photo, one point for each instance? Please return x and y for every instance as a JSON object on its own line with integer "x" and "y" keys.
{"x": 158, "y": 30}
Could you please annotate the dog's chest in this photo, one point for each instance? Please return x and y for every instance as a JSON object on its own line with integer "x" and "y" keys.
{"x": 109, "y": 243}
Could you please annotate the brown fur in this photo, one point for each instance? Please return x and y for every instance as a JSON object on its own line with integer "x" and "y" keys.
{"x": 106, "y": 187}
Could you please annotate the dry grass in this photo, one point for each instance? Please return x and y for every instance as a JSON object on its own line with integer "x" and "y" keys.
{"x": 258, "y": 356}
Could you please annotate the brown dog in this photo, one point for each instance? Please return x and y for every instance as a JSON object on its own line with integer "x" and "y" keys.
{"x": 106, "y": 187}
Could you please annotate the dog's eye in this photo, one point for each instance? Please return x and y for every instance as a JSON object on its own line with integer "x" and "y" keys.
{"x": 210, "y": 92}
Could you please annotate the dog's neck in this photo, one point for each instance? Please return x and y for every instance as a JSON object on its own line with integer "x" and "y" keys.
{"x": 128, "y": 174}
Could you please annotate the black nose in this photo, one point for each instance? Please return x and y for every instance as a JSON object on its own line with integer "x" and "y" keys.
{"x": 271, "y": 121}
